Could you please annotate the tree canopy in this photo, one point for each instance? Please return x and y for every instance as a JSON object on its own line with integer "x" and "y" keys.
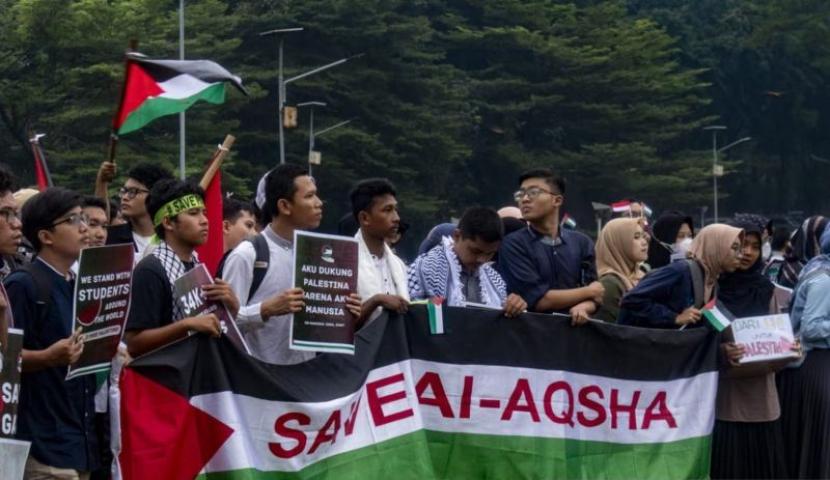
{"x": 450, "y": 99}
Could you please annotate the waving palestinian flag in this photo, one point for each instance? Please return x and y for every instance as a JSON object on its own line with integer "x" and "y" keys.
{"x": 154, "y": 88}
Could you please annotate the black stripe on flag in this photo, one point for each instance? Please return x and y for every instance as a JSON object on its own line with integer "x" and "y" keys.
{"x": 206, "y": 70}
{"x": 472, "y": 337}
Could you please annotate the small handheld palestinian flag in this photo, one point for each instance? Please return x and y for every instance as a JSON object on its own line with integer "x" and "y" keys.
{"x": 435, "y": 309}
{"x": 155, "y": 88}
{"x": 568, "y": 222}
{"x": 621, "y": 206}
{"x": 718, "y": 316}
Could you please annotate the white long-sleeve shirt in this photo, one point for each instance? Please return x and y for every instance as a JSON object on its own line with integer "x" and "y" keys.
{"x": 267, "y": 338}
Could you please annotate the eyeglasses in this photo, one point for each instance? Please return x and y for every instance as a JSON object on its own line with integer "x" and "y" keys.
{"x": 531, "y": 193}
{"x": 9, "y": 214}
{"x": 75, "y": 220}
{"x": 131, "y": 192}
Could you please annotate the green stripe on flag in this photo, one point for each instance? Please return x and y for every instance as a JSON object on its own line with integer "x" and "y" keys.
{"x": 717, "y": 318}
{"x": 156, "y": 107}
{"x": 432, "y": 455}
{"x": 436, "y": 318}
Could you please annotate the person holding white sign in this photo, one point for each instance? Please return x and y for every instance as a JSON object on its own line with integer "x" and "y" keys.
{"x": 804, "y": 392}
{"x": 747, "y": 401}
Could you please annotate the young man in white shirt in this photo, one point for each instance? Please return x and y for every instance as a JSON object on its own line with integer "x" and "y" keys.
{"x": 381, "y": 276}
{"x": 291, "y": 202}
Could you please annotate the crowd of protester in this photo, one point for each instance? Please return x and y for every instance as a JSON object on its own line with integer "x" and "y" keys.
{"x": 773, "y": 418}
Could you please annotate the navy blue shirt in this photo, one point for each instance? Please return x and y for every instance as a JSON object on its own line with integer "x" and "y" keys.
{"x": 659, "y": 298}
{"x": 56, "y": 415}
{"x": 532, "y": 264}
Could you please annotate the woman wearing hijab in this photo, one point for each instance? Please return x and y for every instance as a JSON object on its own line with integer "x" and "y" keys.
{"x": 620, "y": 249}
{"x": 804, "y": 391}
{"x": 804, "y": 246}
{"x": 747, "y": 440}
{"x": 670, "y": 235}
{"x": 666, "y": 297}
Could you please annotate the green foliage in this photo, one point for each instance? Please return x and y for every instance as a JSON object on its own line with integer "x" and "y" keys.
{"x": 451, "y": 98}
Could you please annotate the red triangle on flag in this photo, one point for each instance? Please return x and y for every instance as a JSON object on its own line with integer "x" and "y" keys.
{"x": 162, "y": 434}
{"x": 138, "y": 87}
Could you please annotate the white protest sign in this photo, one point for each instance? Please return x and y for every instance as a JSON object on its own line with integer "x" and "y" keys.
{"x": 767, "y": 337}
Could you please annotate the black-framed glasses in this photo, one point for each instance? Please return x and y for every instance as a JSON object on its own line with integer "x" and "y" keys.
{"x": 74, "y": 219}
{"x": 131, "y": 192}
{"x": 9, "y": 214}
{"x": 531, "y": 193}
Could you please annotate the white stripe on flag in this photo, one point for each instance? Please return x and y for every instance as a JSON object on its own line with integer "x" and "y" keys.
{"x": 436, "y": 318}
{"x": 182, "y": 86}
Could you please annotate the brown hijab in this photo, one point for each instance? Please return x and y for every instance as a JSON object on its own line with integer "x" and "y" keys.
{"x": 712, "y": 247}
{"x": 613, "y": 251}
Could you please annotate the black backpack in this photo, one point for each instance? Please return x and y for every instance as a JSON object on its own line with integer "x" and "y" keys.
{"x": 261, "y": 262}
{"x": 698, "y": 277}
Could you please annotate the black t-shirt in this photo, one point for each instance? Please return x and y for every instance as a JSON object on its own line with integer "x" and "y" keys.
{"x": 152, "y": 302}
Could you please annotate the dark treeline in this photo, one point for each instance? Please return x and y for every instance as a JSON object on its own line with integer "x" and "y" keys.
{"x": 452, "y": 98}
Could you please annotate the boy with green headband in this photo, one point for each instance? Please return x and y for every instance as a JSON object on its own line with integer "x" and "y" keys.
{"x": 178, "y": 212}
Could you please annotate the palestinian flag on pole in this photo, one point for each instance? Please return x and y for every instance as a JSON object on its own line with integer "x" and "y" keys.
{"x": 717, "y": 315}
{"x": 493, "y": 397}
{"x": 154, "y": 88}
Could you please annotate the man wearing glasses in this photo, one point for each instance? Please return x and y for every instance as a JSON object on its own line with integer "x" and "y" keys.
{"x": 55, "y": 414}
{"x": 139, "y": 227}
{"x": 10, "y": 225}
{"x": 551, "y": 268}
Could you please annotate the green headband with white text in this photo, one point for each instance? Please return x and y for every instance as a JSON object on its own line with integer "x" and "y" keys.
{"x": 177, "y": 206}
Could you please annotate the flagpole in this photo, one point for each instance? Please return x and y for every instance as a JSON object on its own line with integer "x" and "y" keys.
{"x": 215, "y": 163}
{"x": 182, "y": 143}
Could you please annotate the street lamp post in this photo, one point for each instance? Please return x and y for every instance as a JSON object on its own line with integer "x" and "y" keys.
{"x": 717, "y": 170}
{"x": 182, "y": 138}
{"x": 283, "y": 83}
{"x": 311, "y": 106}
{"x": 715, "y": 129}
{"x": 280, "y": 82}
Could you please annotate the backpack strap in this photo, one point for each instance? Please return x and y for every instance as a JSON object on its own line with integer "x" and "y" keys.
{"x": 697, "y": 281}
{"x": 261, "y": 262}
{"x": 43, "y": 290}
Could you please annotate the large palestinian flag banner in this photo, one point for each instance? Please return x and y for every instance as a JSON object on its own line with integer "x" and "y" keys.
{"x": 154, "y": 88}
{"x": 490, "y": 398}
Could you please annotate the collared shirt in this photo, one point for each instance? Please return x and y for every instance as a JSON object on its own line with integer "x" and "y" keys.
{"x": 56, "y": 415}
{"x": 532, "y": 263}
{"x": 267, "y": 338}
{"x": 386, "y": 276}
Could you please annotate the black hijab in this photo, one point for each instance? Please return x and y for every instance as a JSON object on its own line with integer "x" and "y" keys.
{"x": 663, "y": 236}
{"x": 746, "y": 293}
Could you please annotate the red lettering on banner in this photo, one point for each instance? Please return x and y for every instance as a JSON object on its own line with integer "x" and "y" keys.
{"x": 323, "y": 435}
{"x": 466, "y": 398}
{"x": 349, "y": 427}
{"x": 521, "y": 391}
{"x": 630, "y": 409}
{"x": 592, "y": 405}
{"x": 568, "y": 413}
{"x": 283, "y": 430}
{"x": 376, "y": 401}
{"x": 439, "y": 399}
{"x": 663, "y": 413}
